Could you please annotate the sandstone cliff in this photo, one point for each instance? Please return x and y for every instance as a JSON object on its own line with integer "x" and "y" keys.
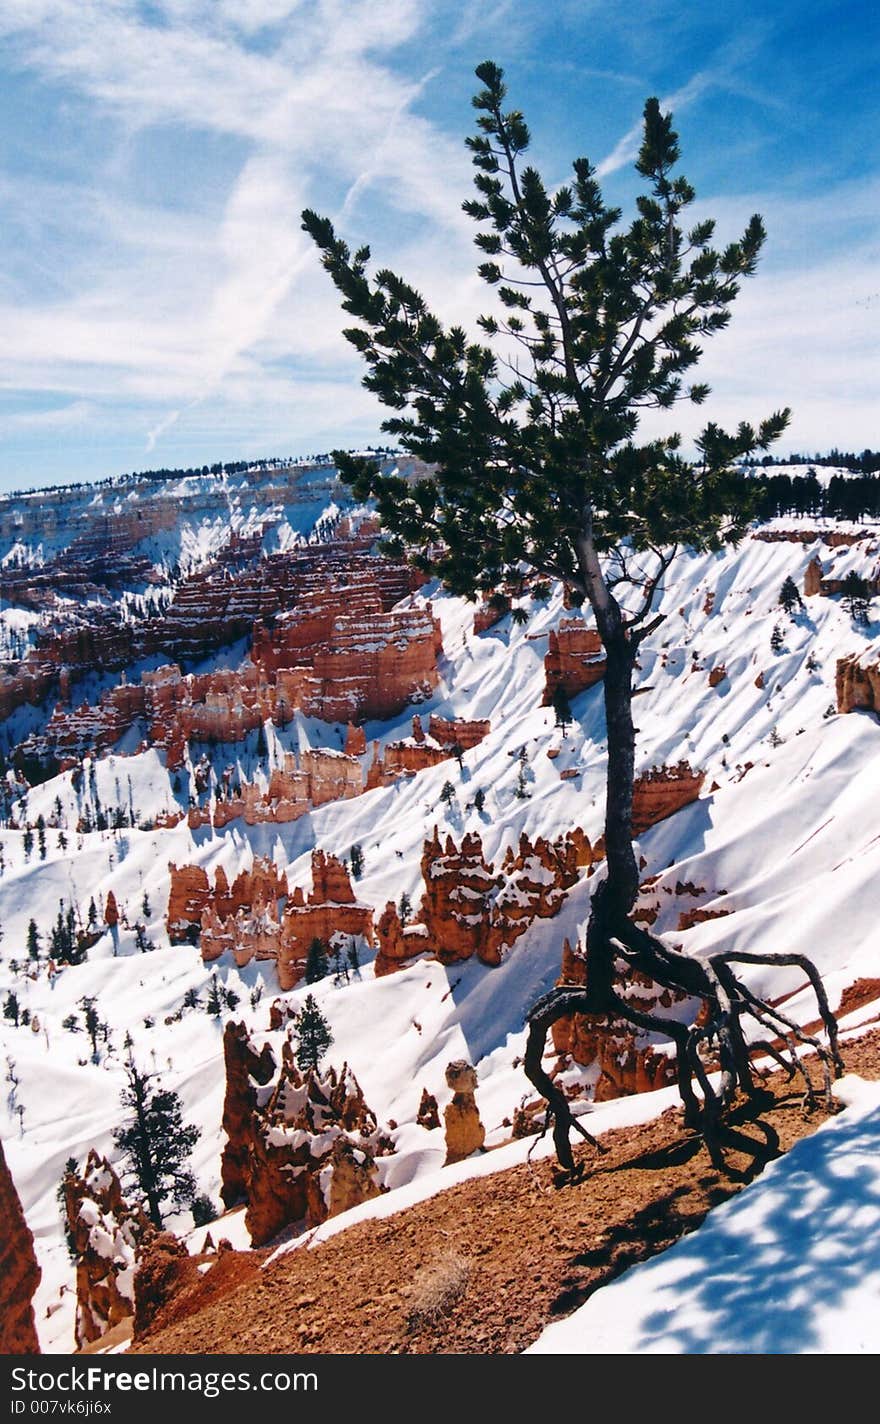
{"x": 19, "y": 1272}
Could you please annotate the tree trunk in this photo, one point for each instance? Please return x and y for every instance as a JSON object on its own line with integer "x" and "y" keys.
{"x": 611, "y": 934}
{"x": 623, "y": 875}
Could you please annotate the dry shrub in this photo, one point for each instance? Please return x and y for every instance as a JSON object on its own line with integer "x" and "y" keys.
{"x": 437, "y": 1289}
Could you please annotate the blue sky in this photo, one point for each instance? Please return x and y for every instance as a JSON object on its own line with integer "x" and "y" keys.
{"x": 161, "y": 306}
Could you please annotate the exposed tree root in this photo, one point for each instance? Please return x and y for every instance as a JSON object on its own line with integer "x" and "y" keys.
{"x": 718, "y": 1033}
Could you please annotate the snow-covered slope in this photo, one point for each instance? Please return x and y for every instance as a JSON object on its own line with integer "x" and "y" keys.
{"x": 789, "y": 1267}
{"x": 788, "y": 847}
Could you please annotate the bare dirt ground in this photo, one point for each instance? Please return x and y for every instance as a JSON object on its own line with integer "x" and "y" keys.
{"x": 483, "y": 1267}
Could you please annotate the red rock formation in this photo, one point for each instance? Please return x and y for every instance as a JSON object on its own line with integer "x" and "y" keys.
{"x": 243, "y": 1065}
{"x": 189, "y": 893}
{"x": 468, "y": 908}
{"x": 834, "y": 538}
{"x": 428, "y": 1115}
{"x": 19, "y": 1272}
{"x": 164, "y": 1271}
{"x": 574, "y": 660}
{"x": 661, "y": 792}
{"x": 858, "y": 683}
{"x": 108, "y": 1235}
{"x": 490, "y": 612}
{"x": 816, "y": 581}
{"x": 626, "y": 1064}
{"x": 245, "y": 919}
{"x": 458, "y": 733}
{"x": 331, "y": 910}
{"x": 313, "y": 1151}
{"x": 717, "y": 675}
{"x": 355, "y": 741}
{"x": 336, "y": 643}
{"x": 688, "y": 918}
{"x": 406, "y": 759}
{"x": 465, "y": 1133}
{"x": 813, "y": 577}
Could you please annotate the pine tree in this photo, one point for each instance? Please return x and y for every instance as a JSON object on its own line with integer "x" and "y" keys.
{"x": 154, "y": 1142}
{"x": 71, "y": 1169}
{"x": 562, "y": 708}
{"x": 447, "y": 794}
{"x": 856, "y": 597}
{"x": 27, "y": 842}
{"x": 521, "y": 793}
{"x": 312, "y": 1033}
{"x": 94, "y": 1027}
{"x": 404, "y": 908}
{"x": 789, "y": 596}
{"x": 777, "y": 640}
{"x": 33, "y": 940}
{"x": 316, "y": 962}
{"x": 479, "y": 799}
{"x": 203, "y": 1209}
{"x": 535, "y": 465}
{"x": 214, "y": 1003}
{"x": 357, "y": 861}
{"x": 11, "y": 1008}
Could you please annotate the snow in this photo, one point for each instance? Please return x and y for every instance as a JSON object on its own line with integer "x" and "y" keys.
{"x": 790, "y": 1266}
{"x": 791, "y": 848}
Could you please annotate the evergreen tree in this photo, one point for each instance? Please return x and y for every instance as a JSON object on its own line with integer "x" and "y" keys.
{"x": 521, "y": 792}
{"x": 404, "y": 908}
{"x": 789, "y": 596}
{"x": 214, "y": 1004}
{"x": 357, "y": 861}
{"x": 41, "y": 837}
{"x": 33, "y": 940}
{"x": 562, "y": 708}
{"x": 145, "y": 906}
{"x": 71, "y": 1169}
{"x": 27, "y": 842}
{"x": 316, "y": 961}
{"x": 479, "y": 799}
{"x": 447, "y": 794}
{"x": 11, "y": 1008}
{"x": 856, "y": 597}
{"x": 354, "y": 960}
{"x": 312, "y": 1033}
{"x": 203, "y": 1209}
{"x": 776, "y": 639}
{"x": 154, "y": 1143}
{"x": 95, "y": 1029}
{"x": 535, "y": 464}
{"x": 141, "y": 938}
{"x": 340, "y": 965}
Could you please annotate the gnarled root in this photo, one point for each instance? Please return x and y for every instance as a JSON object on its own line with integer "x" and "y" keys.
{"x": 719, "y": 1031}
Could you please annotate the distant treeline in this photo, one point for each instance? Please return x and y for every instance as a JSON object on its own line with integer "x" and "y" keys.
{"x": 855, "y": 496}
{"x": 224, "y": 467}
{"x": 867, "y": 463}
